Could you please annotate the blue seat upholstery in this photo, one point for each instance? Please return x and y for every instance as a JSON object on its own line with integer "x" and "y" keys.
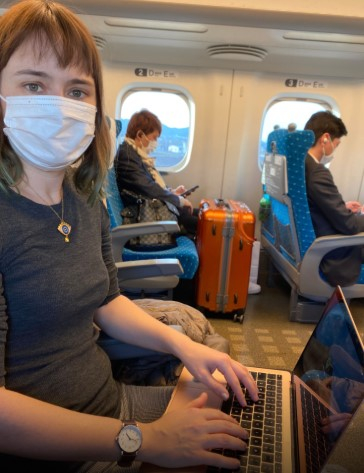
{"x": 185, "y": 249}
{"x": 297, "y": 145}
{"x": 152, "y": 277}
{"x": 288, "y": 235}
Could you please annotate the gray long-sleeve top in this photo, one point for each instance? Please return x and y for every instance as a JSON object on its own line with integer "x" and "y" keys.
{"x": 48, "y": 294}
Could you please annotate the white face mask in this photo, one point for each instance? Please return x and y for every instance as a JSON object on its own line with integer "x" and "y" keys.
{"x": 152, "y": 145}
{"x": 49, "y": 131}
{"x": 327, "y": 158}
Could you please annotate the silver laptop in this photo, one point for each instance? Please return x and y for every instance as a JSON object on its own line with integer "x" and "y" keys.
{"x": 285, "y": 426}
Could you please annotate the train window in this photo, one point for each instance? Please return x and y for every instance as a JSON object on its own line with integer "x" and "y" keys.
{"x": 176, "y": 112}
{"x": 290, "y": 113}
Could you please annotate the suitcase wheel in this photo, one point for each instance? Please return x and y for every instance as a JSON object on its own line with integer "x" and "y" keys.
{"x": 238, "y": 318}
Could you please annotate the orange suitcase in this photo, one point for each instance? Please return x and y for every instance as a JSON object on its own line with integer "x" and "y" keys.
{"x": 225, "y": 236}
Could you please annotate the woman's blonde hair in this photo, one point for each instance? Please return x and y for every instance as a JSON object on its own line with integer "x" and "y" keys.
{"x": 51, "y": 25}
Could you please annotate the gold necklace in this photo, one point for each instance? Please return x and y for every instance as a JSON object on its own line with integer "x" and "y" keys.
{"x": 64, "y": 228}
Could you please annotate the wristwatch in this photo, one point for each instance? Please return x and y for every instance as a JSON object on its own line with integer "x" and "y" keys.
{"x": 129, "y": 440}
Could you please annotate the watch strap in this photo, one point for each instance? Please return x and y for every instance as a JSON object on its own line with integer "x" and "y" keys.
{"x": 126, "y": 459}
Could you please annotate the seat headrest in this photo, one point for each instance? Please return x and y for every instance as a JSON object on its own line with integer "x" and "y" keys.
{"x": 276, "y": 142}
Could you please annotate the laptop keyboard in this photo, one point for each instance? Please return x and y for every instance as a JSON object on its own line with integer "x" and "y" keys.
{"x": 263, "y": 421}
{"x": 317, "y": 444}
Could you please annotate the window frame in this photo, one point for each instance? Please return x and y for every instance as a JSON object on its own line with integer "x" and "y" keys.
{"x": 135, "y": 87}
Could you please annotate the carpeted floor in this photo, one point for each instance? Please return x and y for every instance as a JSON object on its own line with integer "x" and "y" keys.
{"x": 266, "y": 337}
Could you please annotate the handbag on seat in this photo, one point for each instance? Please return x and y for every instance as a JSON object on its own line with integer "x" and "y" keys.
{"x": 139, "y": 209}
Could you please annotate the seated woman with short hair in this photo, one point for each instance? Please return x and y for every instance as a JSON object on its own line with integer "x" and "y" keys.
{"x": 136, "y": 172}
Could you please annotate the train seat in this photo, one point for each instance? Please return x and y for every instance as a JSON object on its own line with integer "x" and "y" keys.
{"x": 146, "y": 277}
{"x": 287, "y": 234}
{"x": 185, "y": 249}
{"x": 152, "y": 273}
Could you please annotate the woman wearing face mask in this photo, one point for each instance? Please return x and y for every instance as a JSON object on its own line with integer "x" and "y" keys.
{"x": 136, "y": 172}
{"x": 330, "y": 214}
{"x": 61, "y": 409}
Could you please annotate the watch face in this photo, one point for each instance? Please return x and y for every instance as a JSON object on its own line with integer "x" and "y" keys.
{"x": 130, "y": 438}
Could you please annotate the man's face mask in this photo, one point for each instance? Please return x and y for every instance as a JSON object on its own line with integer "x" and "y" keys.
{"x": 327, "y": 158}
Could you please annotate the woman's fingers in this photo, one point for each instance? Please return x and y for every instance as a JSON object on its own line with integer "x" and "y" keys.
{"x": 191, "y": 435}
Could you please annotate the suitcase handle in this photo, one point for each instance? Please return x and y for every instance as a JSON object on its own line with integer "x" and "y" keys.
{"x": 248, "y": 240}
{"x": 218, "y": 202}
{"x": 222, "y": 203}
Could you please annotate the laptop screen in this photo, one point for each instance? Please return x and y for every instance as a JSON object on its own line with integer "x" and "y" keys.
{"x": 332, "y": 363}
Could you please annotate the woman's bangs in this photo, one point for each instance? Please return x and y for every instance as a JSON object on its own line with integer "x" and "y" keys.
{"x": 72, "y": 50}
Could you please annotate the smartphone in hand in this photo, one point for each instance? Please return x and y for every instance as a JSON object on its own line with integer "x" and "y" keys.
{"x": 189, "y": 191}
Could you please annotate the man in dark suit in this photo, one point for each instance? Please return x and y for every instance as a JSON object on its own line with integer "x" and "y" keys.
{"x": 330, "y": 214}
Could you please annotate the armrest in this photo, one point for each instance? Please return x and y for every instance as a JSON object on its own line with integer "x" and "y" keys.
{"x": 141, "y": 269}
{"x": 122, "y": 234}
{"x": 311, "y": 281}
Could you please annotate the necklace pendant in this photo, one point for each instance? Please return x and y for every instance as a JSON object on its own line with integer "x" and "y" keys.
{"x": 65, "y": 229}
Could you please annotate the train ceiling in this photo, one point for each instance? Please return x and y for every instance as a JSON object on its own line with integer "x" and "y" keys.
{"x": 230, "y": 35}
